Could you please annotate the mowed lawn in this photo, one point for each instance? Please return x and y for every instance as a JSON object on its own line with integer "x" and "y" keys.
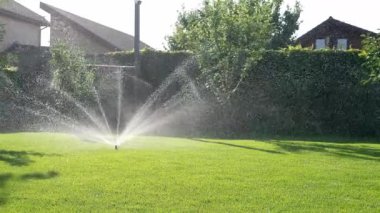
{"x": 58, "y": 173}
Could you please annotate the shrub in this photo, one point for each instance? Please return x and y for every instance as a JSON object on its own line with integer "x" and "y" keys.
{"x": 71, "y": 72}
{"x": 8, "y": 69}
{"x": 307, "y": 92}
{"x": 155, "y": 65}
{"x": 371, "y": 53}
{"x": 290, "y": 91}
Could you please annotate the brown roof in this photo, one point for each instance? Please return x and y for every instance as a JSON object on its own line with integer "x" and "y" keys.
{"x": 332, "y": 23}
{"x": 115, "y": 38}
{"x": 15, "y": 10}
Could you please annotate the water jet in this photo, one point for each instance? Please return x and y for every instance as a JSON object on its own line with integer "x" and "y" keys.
{"x": 123, "y": 106}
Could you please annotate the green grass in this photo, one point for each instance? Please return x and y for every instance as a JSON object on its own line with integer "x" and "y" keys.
{"x": 58, "y": 173}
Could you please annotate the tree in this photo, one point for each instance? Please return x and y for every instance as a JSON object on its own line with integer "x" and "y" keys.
{"x": 71, "y": 72}
{"x": 227, "y": 36}
{"x": 245, "y": 23}
{"x": 285, "y": 25}
{"x": 371, "y": 53}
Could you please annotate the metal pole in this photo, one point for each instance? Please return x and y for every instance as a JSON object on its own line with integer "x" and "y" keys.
{"x": 137, "y": 36}
{"x": 137, "y": 52}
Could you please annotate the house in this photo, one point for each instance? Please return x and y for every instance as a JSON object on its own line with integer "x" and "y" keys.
{"x": 334, "y": 34}
{"x": 20, "y": 25}
{"x": 89, "y": 36}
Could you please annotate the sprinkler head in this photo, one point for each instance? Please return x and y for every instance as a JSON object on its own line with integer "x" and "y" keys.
{"x": 116, "y": 148}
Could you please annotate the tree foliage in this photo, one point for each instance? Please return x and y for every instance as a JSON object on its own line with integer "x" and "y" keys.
{"x": 371, "y": 52}
{"x": 8, "y": 62}
{"x": 71, "y": 72}
{"x": 226, "y": 34}
{"x": 243, "y": 24}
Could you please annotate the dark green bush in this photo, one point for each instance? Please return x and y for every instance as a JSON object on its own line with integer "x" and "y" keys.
{"x": 289, "y": 92}
{"x": 155, "y": 65}
{"x": 8, "y": 75}
{"x": 371, "y": 53}
{"x": 306, "y": 92}
{"x": 71, "y": 72}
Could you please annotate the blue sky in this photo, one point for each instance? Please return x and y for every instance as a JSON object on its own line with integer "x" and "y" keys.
{"x": 159, "y": 16}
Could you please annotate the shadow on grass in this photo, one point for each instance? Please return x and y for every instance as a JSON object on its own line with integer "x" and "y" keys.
{"x": 315, "y": 138}
{"x": 357, "y": 151}
{"x": 323, "y": 139}
{"x": 20, "y": 158}
{"x": 237, "y": 146}
{"x": 363, "y": 152}
{"x": 39, "y": 175}
{"x": 4, "y": 178}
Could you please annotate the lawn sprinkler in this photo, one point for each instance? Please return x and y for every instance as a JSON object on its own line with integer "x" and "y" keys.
{"x": 116, "y": 147}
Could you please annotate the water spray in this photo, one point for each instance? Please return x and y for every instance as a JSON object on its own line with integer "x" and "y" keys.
{"x": 117, "y": 144}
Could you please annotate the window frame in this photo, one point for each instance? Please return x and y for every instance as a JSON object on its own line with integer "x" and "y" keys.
{"x": 339, "y": 47}
{"x": 324, "y": 43}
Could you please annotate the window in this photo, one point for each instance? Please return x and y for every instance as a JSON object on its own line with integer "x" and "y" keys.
{"x": 342, "y": 44}
{"x": 320, "y": 44}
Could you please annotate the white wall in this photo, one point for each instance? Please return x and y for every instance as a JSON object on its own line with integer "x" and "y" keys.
{"x": 20, "y": 32}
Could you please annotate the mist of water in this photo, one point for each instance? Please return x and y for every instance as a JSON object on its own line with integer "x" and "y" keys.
{"x": 117, "y": 115}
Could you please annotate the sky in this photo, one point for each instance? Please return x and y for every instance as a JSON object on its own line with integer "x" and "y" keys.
{"x": 158, "y": 17}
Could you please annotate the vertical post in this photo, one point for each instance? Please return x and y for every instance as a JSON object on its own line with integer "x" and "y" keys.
{"x": 137, "y": 53}
{"x": 137, "y": 37}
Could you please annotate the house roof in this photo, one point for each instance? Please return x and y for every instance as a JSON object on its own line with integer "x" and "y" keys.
{"x": 332, "y": 23}
{"x": 115, "y": 38}
{"x": 15, "y": 10}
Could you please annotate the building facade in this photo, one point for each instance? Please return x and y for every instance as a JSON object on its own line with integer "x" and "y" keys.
{"x": 20, "y": 25}
{"x": 89, "y": 36}
{"x": 334, "y": 34}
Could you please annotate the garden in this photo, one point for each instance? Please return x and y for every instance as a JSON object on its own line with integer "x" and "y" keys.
{"x": 233, "y": 117}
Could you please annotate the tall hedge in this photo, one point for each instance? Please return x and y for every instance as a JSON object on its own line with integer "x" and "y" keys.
{"x": 298, "y": 92}
{"x": 306, "y": 92}
{"x": 155, "y": 65}
{"x": 287, "y": 92}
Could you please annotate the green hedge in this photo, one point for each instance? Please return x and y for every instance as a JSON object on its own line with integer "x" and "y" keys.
{"x": 306, "y": 92}
{"x": 288, "y": 92}
{"x": 155, "y": 65}
{"x": 292, "y": 92}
